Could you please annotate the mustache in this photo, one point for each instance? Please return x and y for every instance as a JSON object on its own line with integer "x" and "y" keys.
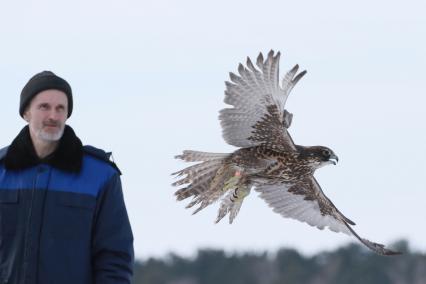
{"x": 51, "y": 123}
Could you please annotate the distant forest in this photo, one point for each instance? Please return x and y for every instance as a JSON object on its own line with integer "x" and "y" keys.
{"x": 351, "y": 264}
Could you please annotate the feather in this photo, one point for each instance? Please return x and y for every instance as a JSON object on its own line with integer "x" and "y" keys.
{"x": 268, "y": 160}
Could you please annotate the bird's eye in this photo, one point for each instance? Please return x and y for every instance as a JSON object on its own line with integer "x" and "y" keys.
{"x": 326, "y": 152}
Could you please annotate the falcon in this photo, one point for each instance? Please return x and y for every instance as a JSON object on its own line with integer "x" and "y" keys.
{"x": 267, "y": 161}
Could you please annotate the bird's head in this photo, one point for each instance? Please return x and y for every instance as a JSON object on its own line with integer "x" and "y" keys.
{"x": 319, "y": 156}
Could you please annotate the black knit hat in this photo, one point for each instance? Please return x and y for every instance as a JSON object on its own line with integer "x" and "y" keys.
{"x": 42, "y": 81}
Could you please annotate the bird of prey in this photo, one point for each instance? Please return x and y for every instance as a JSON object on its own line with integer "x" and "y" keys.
{"x": 267, "y": 160}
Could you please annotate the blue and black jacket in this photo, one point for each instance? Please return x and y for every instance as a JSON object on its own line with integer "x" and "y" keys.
{"x": 63, "y": 218}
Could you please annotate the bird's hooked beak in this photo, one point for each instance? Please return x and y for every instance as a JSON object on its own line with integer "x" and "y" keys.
{"x": 333, "y": 159}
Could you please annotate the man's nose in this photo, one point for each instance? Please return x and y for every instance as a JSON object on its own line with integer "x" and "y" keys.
{"x": 53, "y": 114}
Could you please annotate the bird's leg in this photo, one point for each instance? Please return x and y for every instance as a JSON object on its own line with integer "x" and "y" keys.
{"x": 233, "y": 181}
{"x": 232, "y": 202}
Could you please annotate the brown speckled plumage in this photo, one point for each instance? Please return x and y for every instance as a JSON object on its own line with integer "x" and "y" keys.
{"x": 267, "y": 159}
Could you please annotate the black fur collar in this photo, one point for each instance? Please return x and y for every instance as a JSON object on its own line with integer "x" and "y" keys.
{"x": 68, "y": 156}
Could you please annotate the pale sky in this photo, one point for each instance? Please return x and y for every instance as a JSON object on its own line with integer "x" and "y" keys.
{"x": 148, "y": 81}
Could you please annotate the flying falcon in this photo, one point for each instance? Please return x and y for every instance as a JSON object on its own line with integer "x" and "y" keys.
{"x": 267, "y": 160}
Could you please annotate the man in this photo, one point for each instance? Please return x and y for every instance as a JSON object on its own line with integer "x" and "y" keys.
{"x": 62, "y": 215}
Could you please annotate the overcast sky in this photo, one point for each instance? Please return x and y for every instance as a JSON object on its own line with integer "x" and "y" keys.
{"x": 148, "y": 81}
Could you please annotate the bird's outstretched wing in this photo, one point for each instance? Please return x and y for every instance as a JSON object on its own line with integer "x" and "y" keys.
{"x": 306, "y": 202}
{"x": 258, "y": 115}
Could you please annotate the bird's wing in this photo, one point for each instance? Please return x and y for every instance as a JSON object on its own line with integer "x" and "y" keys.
{"x": 258, "y": 115}
{"x": 306, "y": 202}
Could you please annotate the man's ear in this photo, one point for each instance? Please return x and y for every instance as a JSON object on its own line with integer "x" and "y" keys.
{"x": 26, "y": 116}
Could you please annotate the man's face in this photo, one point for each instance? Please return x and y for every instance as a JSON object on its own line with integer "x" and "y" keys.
{"x": 46, "y": 115}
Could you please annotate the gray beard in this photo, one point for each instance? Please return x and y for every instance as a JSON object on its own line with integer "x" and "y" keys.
{"x": 50, "y": 137}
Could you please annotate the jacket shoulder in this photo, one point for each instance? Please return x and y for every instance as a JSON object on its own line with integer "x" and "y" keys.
{"x": 3, "y": 152}
{"x": 101, "y": 155}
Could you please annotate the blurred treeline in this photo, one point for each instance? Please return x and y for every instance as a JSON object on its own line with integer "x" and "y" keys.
{"x": 347, "y": 265}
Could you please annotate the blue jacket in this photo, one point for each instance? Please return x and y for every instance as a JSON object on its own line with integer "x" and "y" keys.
{"x": 62, "y": 219}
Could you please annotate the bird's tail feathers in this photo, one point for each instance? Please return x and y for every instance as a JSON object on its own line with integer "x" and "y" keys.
{"x": 222, "y": 182}
{"x": 198, "y": 177}
{"x": 197, "y": 156}
{"x": 208, "y": 181}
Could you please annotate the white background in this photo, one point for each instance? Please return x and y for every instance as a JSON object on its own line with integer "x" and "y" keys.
{"x": 148, "y": 81}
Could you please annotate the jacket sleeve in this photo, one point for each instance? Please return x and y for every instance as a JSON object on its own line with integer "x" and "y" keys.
{"x": 112, "y": 244}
